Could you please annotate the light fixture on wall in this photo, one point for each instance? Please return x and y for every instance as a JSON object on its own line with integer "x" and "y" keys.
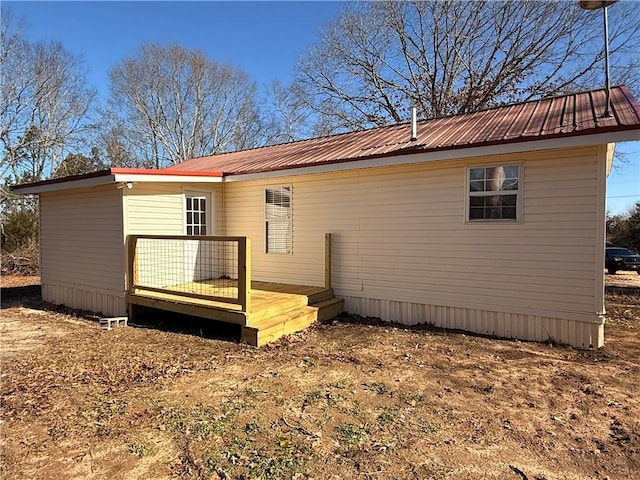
{"x": 596, "y": 5}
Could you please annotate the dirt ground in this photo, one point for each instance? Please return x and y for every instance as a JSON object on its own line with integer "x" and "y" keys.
{"x": 12, "y": 281}
{"x": 346, "y": 399}
{"x": 622, "y": 279}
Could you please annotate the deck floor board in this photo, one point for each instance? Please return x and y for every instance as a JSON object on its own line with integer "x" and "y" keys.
{"x": 263, "y": 294}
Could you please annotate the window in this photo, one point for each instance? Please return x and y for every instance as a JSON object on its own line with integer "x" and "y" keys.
{"x": 494, "y": 193}
{"x": 278, "y": 219}
{"x": 196, "y": 215}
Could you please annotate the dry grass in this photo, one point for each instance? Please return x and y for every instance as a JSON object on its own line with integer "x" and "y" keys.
{"x": 349, "y": 399}
{"x": 623, "y": 279}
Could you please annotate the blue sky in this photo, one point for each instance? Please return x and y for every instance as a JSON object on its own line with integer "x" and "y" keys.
{"x": 262, "y": 38}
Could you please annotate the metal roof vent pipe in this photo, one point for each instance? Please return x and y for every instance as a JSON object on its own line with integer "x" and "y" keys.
{"x": 414, "y": 125}
{"x": 595, "y": 5}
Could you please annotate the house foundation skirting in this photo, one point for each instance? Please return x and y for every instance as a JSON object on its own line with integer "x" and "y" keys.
{"x": 108, "y": 304}
{"x": 579, "y": 334}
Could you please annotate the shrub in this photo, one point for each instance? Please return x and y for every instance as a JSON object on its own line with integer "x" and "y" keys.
{"x": 23, "y": 260}
{"x": 19, "y": 235}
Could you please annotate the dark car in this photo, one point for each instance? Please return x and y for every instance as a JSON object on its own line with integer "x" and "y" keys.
{"x": 618, "y": 258}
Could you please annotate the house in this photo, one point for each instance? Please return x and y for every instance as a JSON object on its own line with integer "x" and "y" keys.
{"x": 491, "y": 222}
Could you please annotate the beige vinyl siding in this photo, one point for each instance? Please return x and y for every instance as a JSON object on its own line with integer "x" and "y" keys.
{"x": 400, "y": 235}
{"x": 159, "y": 209}
{"x": 82, "y": 252}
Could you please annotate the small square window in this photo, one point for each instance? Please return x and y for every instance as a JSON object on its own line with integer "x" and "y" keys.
{"x": 493, "y": 193}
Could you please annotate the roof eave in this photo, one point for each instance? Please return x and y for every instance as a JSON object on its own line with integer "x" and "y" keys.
{"x": 117, "y": 175}
{"x": 102, "y": 177}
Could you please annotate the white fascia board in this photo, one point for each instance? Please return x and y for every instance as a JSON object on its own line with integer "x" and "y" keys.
{"x": 117, "y": 178}
{"x": 453, "y": 154}
{"x": 80, "y": 183}
{"x": 137, "y": 178}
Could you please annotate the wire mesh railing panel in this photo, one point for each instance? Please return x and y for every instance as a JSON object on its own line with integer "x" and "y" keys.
{"x": 198, "y": 266}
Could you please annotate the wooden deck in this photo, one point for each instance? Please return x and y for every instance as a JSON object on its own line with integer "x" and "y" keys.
{"x": 277, "y": 309}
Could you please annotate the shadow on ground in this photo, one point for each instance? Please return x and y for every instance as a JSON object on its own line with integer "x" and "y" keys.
{"x": 16, "y": 296}
{"x": 165, "y": 321}
{"x": 30, "y": 296}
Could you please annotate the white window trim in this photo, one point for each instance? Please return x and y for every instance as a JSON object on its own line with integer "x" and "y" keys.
{"x": 266, "y": 220}
{"x": 519, "y": 194}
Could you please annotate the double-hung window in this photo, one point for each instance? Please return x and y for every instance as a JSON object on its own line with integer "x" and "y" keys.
{"x": 494, "y": 193}
{"x": 278, "y": 219}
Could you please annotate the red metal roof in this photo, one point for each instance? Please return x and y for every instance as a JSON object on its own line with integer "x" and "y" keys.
{"x": 164, "y": 171}
{"x": 547, "y": 118}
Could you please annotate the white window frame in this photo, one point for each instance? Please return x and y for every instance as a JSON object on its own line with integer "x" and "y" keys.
{"x": 287, "y": 220}
{"x": 517, "y": 192}
{"x": 208, "y": 213}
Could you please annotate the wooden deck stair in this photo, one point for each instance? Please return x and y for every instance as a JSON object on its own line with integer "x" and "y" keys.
{"x": 263, "y": 327}
{"x": 277, "y": 309}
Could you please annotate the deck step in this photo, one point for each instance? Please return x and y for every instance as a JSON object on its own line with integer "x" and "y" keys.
{"x": 320, "y": 296}
{"x": 329, "y": 308}
{"x": 270, "y": 329}
{"x": 285, "y": 304}
{"x": 275, "y": 309}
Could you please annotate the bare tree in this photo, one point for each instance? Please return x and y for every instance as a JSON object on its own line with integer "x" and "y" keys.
{"x": 172, "y": 104}
{"x": 446, "y": 57}
{"x": 44, "y": 104}
{"x": 114, "y": 143}
{"x": 288, "y": 116}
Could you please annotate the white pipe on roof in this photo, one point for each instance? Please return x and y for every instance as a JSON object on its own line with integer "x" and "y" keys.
{"x": 414, "y": 124}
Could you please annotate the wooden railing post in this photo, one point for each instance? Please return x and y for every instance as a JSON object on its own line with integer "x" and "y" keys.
{"x": 132, "y": 264}
{"x": 244, "y": 273}
{"x": 327, "y": 261}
